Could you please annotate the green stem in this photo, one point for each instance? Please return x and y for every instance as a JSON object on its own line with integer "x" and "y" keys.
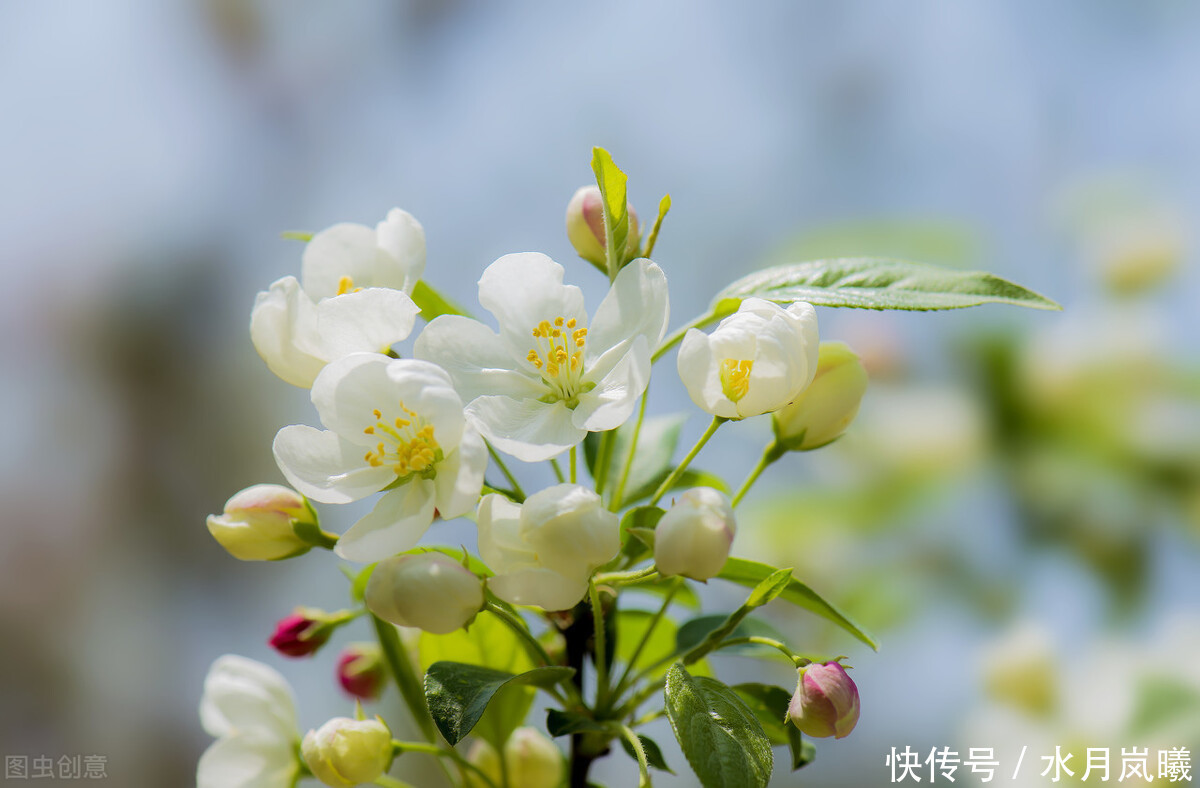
{"x": 399, "y": 747}
{"x": 691, "y": 455}
{"x": 558, "y": 474}
{"x": 601, "y": 654}
{"x": 622, "y": 682}
{"x": 574, "y": 464}
{"x": 386, "y": 781}
{"x": 533, "y": 646}
{"x": 640, "y": 752}
{"x": 676, "y": 336}
{"x": 516, "y": 486}
{"x": 775, "y": 644}
{"x": 626, "y": 578}
{"x": 770, "y": 454}
{"x": 619, "y": 494}
{"x": 603, "y": 457}
{"x": 406, "y": 679}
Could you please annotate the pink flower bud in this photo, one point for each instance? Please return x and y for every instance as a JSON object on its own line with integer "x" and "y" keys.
{"x": 360, "y": 670}
{"x": 585, "y": 226}
{"x": 301, "y": 634}
{"x": 825, "y": 703}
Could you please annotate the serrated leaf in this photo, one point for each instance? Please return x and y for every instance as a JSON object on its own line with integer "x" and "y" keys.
{"x": 612, "y": 182}
{"x": 750, "y": 573}
{"x": 654, "y": 755}
{"x": 720, "y": 736}
{"x": 770, "y": 705}
{"x": 458, "y": 693}
{"x": 880, "y": 283}
{"x": 693, "y": 632}
{"x": 434, "y": 304}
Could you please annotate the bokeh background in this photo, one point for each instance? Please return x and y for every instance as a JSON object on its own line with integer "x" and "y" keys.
{"x": 1015, "y": 515}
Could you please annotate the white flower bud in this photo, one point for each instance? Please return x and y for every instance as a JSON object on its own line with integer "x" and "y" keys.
{"x": 345, "y": 752}
{"x": 585, "y": 226}
{"x": 544, "y": 551}
{"x": 257, "y": 523}
{"x": 693, "y": 538}
{"x": 430, "y": 591}
{"x": 825, "y": 409}
{"x": 756, "y": 360}
{"x": 533, "y": 761}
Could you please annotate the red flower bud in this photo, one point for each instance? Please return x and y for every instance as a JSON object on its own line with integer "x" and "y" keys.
{"x": 826, "y": 701}
{"x": 300, "y": 634}
{"x": 360, "y": 671}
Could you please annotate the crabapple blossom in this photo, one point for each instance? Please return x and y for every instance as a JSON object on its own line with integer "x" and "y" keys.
{"x": 825, "y": 409}
{"x": 345, "y": 752}
{"x": 693, "y": 538}
{"x": 302, "y": 633}
{"x": 249, "y": 708}
{"x": 429, "y": 591}
{"x": 585, "y": 226}
{"x": 360, "y": 670}
{"x": 394, "y": 425}
{"x": 756, "y": 360}
{"x": 257, "y": 524}
{"x": 549, "y": 377}
{"x": 545, "y": 550}
{"x": 826, "y": 701}
{"x": 532, "y": 760}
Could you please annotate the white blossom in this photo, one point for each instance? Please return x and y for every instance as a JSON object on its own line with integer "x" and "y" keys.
{"x": 694, "y": 536}
{"x": 429, "y": 591}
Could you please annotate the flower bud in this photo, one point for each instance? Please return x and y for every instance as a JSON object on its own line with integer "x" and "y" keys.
{"x": 585, "y": 226}
{"x": 360, "y": 670}
{"x": 533, "y": 761}
{"x": 825, "y": 409}
{"x": 257, "y": 523}
{"x": 693, "y": 538}
{"x": 302, "y": 633}
{"x": 345, "y": 752}
{"x": 428, "y": 590}
{"x": 826, "y": 701}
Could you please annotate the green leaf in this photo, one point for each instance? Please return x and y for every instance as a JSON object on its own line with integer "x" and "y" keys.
{"x": 750, "y": 573}
{"x": 560, "y": 723}
{"x": 693, "y": 632}
{"x": 686, "y": 596}
{"x": 612, "y": 182}
{"x": 434, "y": 304}
{"x": 358, "y": 585}
{"x": 458, "y": 693}
{"x": 631, "y": 626}
{"x": 654, "y": 755}
{"x": 770, "y": 587}
{"x": 721, "y": 737}
{"x": 879, "y": 283}
{"x": 664, "y": 205}
{"x": 635, "y": 542}
{"x": 770, "y": 705}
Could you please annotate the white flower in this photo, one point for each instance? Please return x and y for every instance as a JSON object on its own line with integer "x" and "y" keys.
{"x": 429, "y": 591}
{"x": 353, "y": 297}
{"x": 545, "y": 550}
{"x": 345, "y": 752}
{"x": 756, "y": 361}
{"x": 395, "y": 424}
{"x": 248, "y": 707}
{"x": 694, "y": 536}
{"x": 548, "y": 378}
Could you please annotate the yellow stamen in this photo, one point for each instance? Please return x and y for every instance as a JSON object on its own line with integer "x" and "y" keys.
{"x": 346, "y": 285}
{"x": 735, "y": 377}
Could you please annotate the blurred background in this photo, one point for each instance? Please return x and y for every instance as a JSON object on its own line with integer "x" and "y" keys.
{"x": 1015, "y": 515}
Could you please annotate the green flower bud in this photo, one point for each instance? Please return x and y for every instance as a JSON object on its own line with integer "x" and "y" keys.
{"x": 533, "y": 761}
{"x": 345, "y": 752}
{"x": 258, "y": 523}
{"x": 585, "y": 226}
{"x": 429, "y": 591}
{"x": 823, "y": 411}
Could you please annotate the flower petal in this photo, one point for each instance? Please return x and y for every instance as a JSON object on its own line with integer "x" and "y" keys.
{"x": 370, "y": 320}
{"x": 248, "y": 761}
{"x": 699, "y": 372}
{"x": 402, "y": 238}
{"x": 397, "y": 523}
{"x": 522, "y": 290}
{"x": 527, "y": 429}
{"x": 325, "y": 467}
{"x": 242, "y": 695}
{"x": 460, "y": 475}
{"x": 610, "y": 404}
{"x": 500, "y": 543}
{"x": 346, "y": 250}
{"x": 284, "y": 318}
{"x": 542, "y": 587}
{"x": 475, "y": 358}
{"x": 636, "y": 306}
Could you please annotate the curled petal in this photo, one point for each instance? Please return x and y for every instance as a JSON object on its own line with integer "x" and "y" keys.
{"x": 542, "y": 587}
{"x": 475, "y": 358}
{"x": 245, "y": 696}
{"x": 528, "y": 429}
{"x": 283, "y": 322}
{"x": 370, "y": 320}
{"x": 347, "y": 255}
{"x": 500, "y": 544}
{"x": 326, "y": 467}
{"x": 610, "y": 404}
{"x": 636, "y": 306}
{"x": 699, "y": 371}
{"x": 402, "y": 238}
{"x": 460, "y": 475}
{"x": 398, "y": 521}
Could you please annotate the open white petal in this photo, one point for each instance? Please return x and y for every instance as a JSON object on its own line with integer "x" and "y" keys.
{"x": 248, "y": 761}
{"x": 370, "y": 320}
{"x": 698, "y": 369}
{"x": 522, "y": 290}
{"x": 283, "y": 320}
{"x": 402, "y": 238}
{"x": 460, "y": 475}
{"x": 326, "y": 467}
{"x": 611, "y": 402}
{"x": 476, "y": 359}
{"x": 636, "y": 306}
{"x": 346, "y": 250}
{"x": 542, "y": 587}
{"x": 527, "y": 429}
{"x": 397, "y": 523}
{"x": 242, "y": 695}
